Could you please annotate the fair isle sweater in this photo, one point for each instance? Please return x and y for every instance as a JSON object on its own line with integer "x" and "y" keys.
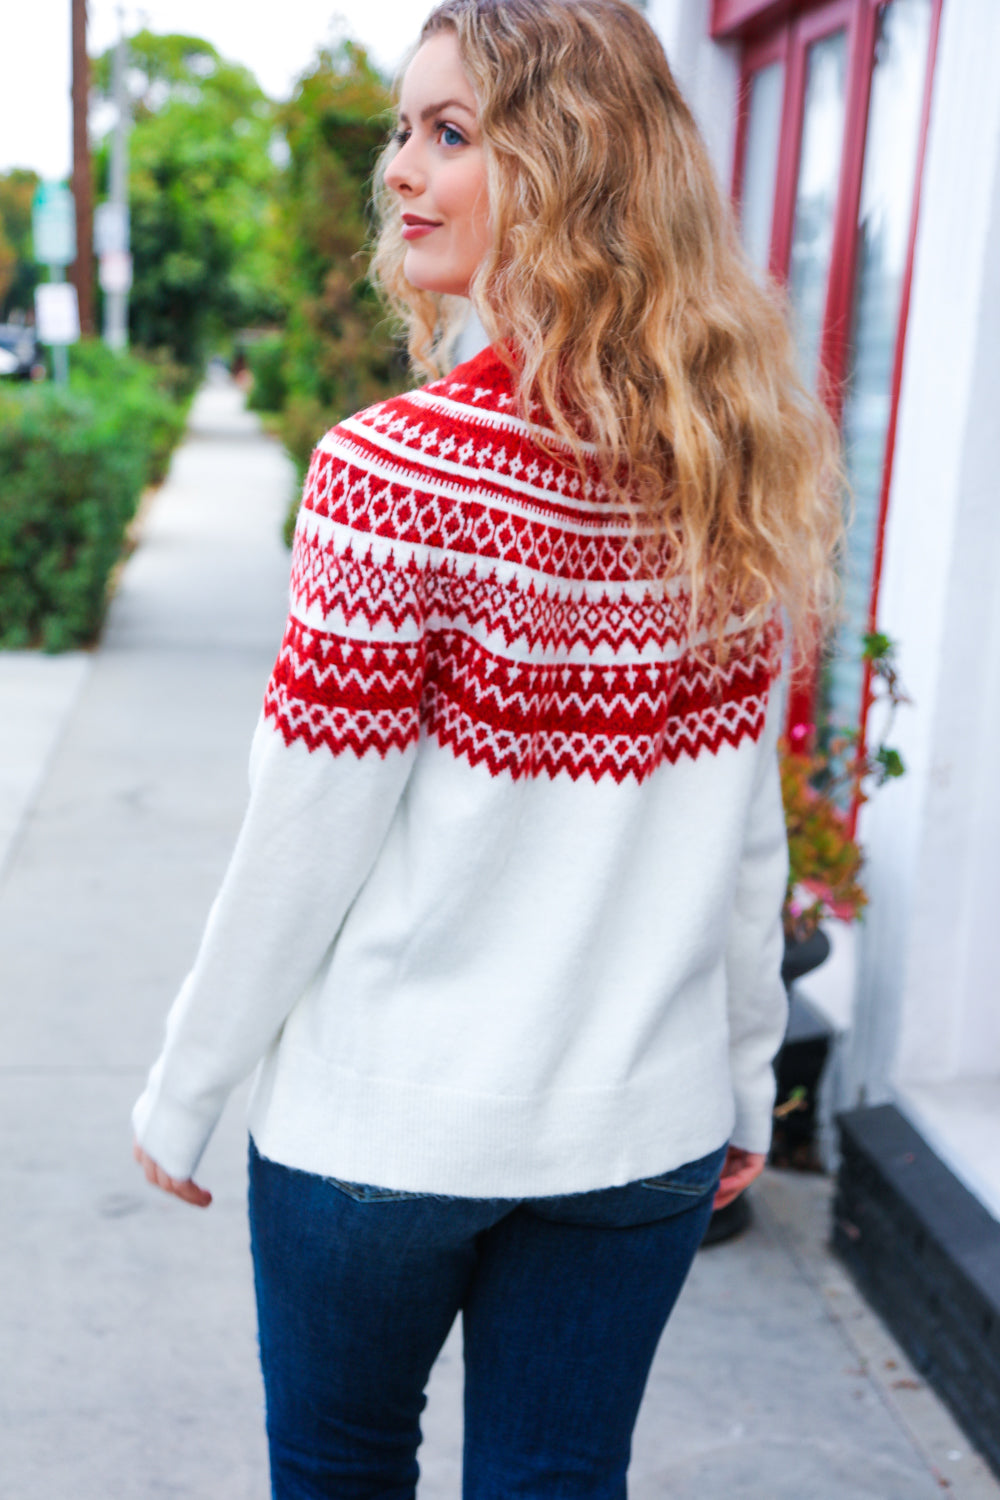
{"x": 503, "y": 916}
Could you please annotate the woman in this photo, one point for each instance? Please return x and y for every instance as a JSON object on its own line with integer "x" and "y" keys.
{"x": 501, "y": 928}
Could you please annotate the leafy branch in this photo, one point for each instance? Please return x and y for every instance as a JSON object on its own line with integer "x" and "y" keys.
{"x": 816, "y": 783}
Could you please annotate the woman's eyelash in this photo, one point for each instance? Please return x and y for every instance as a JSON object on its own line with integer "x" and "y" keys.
{"x": 401, "y": 136}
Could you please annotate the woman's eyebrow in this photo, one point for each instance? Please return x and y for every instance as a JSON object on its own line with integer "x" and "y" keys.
{"x": 435, "y": 109}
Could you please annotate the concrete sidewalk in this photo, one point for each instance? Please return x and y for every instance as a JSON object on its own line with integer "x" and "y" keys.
{"x": 126, "y": 1320}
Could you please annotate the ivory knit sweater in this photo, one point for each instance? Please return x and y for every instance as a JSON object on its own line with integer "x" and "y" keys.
{"x": 503, "y": 916}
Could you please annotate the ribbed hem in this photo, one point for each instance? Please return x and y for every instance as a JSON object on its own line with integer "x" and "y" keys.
{"x": 310, "y": 1114}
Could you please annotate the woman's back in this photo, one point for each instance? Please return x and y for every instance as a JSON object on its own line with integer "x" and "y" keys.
{"x": 537, "y": 955}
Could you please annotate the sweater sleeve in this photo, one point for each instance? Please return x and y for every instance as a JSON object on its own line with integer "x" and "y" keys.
{"x": 329, "y": 761}
{"x": 758, "y": 1005}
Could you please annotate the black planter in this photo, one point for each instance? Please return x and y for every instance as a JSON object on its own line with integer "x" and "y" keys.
{"x": 726, "y": 1223}
{"x": 799, "y": 1065}
{"x": 798, "y": 1069}
{"x": 802, "y": 958}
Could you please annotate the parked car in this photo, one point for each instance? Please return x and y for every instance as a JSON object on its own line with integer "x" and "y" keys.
{"x": 20, "y": 352}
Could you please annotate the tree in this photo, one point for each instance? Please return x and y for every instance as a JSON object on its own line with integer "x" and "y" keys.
{"x": 338, "y": 351}
{"x": 18, "y": 273}
{"x": 8, "y": 264}
{"x": 201, "y": 194}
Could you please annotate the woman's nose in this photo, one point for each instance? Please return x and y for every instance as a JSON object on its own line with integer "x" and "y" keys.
{"x": 404, "y": 173}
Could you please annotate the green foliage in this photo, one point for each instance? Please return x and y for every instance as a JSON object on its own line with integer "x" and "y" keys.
{"x": 336, "y": 351}
{"x": 8, "y": 263}
{"x": 160, "y": 68}
{"x": 18, "y": 273}
{"x": 816, "y": 780}
{"x": 201, "y": 194}
{"x": 334, "y": 126}
{"x": 73, "y": 465}
{"x": 266, "y": 359}
{"x": 823, "y": 858}
{"x": 890, "y": 763}
{"x": 302, "y": 423}
{"x": 146, "y": 398}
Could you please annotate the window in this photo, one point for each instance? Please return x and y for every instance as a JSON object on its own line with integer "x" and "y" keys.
{"x": 833, "y": 113}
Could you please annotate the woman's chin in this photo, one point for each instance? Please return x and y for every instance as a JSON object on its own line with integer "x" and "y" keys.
{"x": 428, "y": 278}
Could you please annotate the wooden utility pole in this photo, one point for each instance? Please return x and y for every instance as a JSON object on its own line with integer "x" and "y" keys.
{"x": 83, "y": 268}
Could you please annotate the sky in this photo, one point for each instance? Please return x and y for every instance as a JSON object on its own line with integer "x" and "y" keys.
{"x": 276, "y": 41}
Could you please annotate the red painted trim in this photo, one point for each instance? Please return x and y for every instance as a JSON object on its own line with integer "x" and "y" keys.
{"x": 740, "y": 148}
{"x": 733, "y": 19}
{"x": 897, "y": 375}
{"x": 765, "y": 50}
{"x": 835, "y": 16}
{"x": 788, "y": 159}
{"x": 835, "y": 344}
{"x": 755, "y": 57}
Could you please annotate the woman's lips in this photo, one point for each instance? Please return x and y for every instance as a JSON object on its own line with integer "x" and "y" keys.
{"x": 415, "y": 229}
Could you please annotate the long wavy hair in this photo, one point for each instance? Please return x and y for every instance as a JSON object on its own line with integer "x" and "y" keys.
{"x": 617, "y": 289}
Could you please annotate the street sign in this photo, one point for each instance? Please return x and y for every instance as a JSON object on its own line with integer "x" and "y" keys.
{"x": 115, "y": 272}
{"x": 57, "y": 316}
{"x": 53, "y": 224}
{"x": 111, "y": 229}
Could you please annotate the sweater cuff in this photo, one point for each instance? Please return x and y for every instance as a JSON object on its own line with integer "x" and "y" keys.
{"x": 754, "y": 1114}
{"x": 172, "y": 1132}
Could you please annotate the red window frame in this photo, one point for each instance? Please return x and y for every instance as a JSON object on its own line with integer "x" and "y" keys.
{"x": 772, "y": 30}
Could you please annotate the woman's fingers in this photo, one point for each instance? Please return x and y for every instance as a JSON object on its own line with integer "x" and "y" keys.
{"x": 739, "y": 1170}
{"x": 188, "y": 1190}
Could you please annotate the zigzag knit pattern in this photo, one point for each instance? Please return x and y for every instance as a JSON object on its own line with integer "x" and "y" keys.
{"x": 451, "y": 578}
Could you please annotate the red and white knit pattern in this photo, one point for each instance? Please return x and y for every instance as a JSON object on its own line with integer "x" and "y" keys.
{"x": 450, "y": 578}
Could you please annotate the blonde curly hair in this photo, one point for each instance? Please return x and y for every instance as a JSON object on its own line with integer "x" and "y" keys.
{"x": 617, "y": 289}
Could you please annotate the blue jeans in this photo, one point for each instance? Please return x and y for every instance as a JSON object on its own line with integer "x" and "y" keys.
{"x": 563, "y": 1301}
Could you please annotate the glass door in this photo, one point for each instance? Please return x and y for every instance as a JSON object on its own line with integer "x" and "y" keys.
{"x": 833, "y": 115}
{"x": 881, "y": 250}
{"x": 817, "y": 181}
{"x": 765, "y": 88}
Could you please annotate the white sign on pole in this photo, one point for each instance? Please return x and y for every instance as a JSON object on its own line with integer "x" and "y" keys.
{"x": 53, "y": 225}
{"x": 57, "y": 316}
{"x": 110, "y": 229}
{"x": 115, "y": 272}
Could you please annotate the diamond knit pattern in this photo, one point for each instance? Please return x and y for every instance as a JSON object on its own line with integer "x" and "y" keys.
{"x": 454, "y": 578}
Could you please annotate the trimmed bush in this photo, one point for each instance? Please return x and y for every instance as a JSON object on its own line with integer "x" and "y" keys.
{"x": 73, "y": 465}
{"x": 266, "y": 359}
{"x": 147, "y": 396}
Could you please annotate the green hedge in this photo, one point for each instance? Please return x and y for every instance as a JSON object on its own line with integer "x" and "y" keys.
{"x": 73, "y": 465}
{"x": 266, "y": 359}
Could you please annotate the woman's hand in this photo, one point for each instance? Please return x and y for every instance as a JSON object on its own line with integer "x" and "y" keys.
{"x": 738, "y": 1171}
{"x": 188, "y": 1191}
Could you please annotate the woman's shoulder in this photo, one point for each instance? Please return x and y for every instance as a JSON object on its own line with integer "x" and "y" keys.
{"x": 422, "y": 419}
{"x": 419, "y": 463}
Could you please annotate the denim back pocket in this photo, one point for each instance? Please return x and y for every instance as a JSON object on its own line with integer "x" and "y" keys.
{"x": 694, "y": 1179}
{"x": 365, "y": 1192}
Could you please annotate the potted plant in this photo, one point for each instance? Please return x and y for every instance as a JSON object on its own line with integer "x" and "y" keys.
{"x": 824, "y": 780}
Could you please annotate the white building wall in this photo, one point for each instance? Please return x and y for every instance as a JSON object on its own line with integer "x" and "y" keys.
{"x": 927, "y": 1021}
{"x": 707, "y": 71}
{"x": 927, "y": 1003}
